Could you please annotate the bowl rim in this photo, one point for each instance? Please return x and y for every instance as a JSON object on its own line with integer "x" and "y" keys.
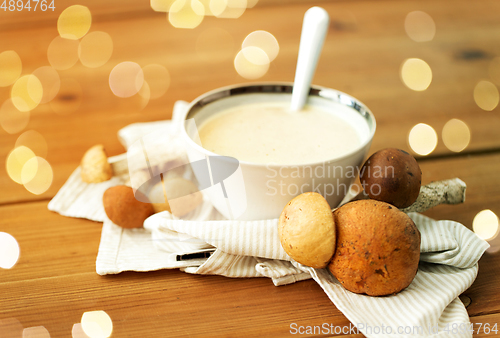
{"x": 279, "y": 87}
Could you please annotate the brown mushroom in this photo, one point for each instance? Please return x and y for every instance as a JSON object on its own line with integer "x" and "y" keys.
{"x": 393, "y": 176}
{"x": 378, "y": 248}
{"x": 123, "y": 209}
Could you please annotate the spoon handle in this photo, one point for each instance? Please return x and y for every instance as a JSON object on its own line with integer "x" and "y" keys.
{"x": 314, "y": 28}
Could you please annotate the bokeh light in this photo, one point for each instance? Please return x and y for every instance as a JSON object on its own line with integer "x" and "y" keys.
{"x": 97, "y": 324}
{"x": 10, "y": 68}
{"x": 251, "y": 3}
{"x": 26, "y": 93}
{"x": 157, "y": 78}
{"x": 62, "y": 53}
{"x": 206, "y": 4}
{"x": 255, "y": 56}
{"x": 186, "y": 13}
{"x": 161, "y": 5}
{"x": 50, "y": 80}
{"x": 263, "y": 40}
{"x": 251, "y": 63}
{"x": 494, "y": 70}
{"x": 36, "y": 332}
{"x": 74, "y": 22}
{"x": 486, "y": 95}
{"x": 456, "y": 135}
{"x": 420, "y": 26}
{"x": 11, "y": 119}
{"x": 10, "y": 327}
{"x": 16, "y": 160}
{"x": 205, "y": 42}
{"x": 68, "y": 98}
{"x": 494, "y": 246}
{"x": 145, "y": 95}
{"x": 138, "y": 102}
{"x": 37, "y": 175}
{"x": 217, "y": 7}
{"x": 77, "y": 331}
{"x": 126, "y": 79}
{"x": 34, "y": 141}
{"x": 486, "y": 225}
{"x": 9, "y": 255}
{"x": 95, "y": 49}
{"x": 29, "y": 170}
{"x": 228, "y": 9}
{"x": 416, "y": 74}
{"x": 422, "y": 139}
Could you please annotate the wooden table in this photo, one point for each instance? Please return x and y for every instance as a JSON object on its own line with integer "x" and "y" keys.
{"x": 54, "y": 281}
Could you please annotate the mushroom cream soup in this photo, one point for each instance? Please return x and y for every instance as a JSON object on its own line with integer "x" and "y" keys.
{"x": 269, "y": 133}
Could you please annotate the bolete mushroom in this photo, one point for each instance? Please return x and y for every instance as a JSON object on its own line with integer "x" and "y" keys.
{"x": 393, "y": 176}
{"x": 378, "y": 248}
{"x": 307, "y": 230}
{"x": 123, "y": 209}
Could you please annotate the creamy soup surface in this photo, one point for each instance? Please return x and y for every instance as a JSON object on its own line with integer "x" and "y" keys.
{"x": 270, "y": 133}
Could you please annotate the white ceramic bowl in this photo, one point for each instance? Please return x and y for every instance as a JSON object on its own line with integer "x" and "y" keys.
{"x": 250, "y": 191}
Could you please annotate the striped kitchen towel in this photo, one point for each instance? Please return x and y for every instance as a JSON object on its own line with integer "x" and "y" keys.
{"x": 428, "y": 307}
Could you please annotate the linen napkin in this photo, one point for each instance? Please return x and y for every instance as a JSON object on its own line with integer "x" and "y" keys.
{"x": 202, "y": 242}
{"x": 428, "y": 307}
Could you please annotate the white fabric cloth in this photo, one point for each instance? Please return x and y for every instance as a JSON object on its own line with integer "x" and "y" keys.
{"x": 428, "y": 307}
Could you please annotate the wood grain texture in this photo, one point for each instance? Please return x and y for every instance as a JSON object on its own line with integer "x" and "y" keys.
{"x": 479, "y": 172}
{"x": 55, "y": 282}
{"x": 59, "y": 251}
{"x": 362, "y": 56}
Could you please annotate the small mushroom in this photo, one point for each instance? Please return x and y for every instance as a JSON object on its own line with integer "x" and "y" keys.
{"x": 393, "y": 176}
{"x": 95, "y": 167}
{"x": 307, "y": 230}
{"x": 124, "y": 209}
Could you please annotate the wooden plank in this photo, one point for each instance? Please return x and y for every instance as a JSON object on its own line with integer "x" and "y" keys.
{"x": 51, "y": 245}
{"x": 172, "y": 303}
{"x": 54, "y": 283}
{"x": 84, "y": 235}
{"x": 479, "y": 172}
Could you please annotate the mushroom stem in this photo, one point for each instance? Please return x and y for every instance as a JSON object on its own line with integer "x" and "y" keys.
{"x": 450, "y": 191}
{"x": 441, "y": 192}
